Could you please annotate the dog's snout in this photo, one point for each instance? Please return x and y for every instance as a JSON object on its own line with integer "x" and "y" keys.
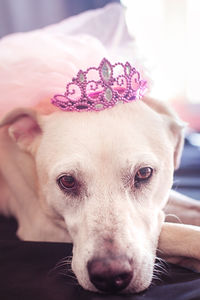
{"x": 110, "y": 274}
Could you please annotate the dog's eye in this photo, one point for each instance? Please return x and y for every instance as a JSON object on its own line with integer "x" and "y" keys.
{"x": 143, "y": 174}
{"x": 67, "y": 182}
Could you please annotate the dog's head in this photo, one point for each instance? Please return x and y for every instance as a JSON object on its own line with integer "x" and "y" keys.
{"x": 107, "y": 175}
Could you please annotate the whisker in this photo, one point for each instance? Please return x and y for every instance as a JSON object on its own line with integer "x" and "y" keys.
{"x": 159, "y": 251}
{"x": 63, "y": 265}
{"x": 160, "y": 268}
{"x": 175, "y": 217}
{"x": 156, "y": 279}
{"x": 63, "y": 268}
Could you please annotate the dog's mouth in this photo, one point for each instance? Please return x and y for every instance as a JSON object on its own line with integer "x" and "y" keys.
{"x": 115, "y": 274}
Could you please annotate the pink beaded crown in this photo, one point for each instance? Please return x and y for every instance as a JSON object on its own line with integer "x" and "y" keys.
{"x": 99, "y": 88}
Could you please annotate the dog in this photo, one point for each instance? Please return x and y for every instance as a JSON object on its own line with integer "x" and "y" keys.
{"x": 100, "y": 180}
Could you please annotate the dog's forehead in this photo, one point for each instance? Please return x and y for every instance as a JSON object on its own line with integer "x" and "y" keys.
{"x": 122, "y": 129}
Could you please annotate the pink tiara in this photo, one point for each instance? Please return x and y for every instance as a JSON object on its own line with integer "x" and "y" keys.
{"x": 99, "y": 88}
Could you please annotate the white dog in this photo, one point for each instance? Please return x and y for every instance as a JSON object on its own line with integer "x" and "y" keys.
{"x": 100, "y": 180}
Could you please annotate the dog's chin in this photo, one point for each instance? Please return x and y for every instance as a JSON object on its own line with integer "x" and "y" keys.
{"x": 141, "y": 281}
{"x": 136, "y": 288}
{"x": 139, "y": 285}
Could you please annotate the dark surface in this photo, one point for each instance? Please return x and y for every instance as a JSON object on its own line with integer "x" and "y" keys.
{"x": 28, "y": 269}
{"x": 28, "y": 272}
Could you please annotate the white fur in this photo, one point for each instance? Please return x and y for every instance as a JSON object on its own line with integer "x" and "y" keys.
{"x": 104, "y": 151}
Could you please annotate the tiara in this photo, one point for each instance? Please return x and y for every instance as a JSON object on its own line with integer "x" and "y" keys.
{"x": 99, "y": 88}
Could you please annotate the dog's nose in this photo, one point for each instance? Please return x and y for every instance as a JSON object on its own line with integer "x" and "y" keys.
{"x": 110, "y": 274}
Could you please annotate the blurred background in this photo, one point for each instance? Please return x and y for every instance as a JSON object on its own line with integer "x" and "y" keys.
{"x": 167, "y": 33}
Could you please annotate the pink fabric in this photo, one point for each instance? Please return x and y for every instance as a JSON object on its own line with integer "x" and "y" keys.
{"x": 36, "y": 65}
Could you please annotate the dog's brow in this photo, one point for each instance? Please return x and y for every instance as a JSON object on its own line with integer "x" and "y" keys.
{"x": 141, "y": 160}
{"x": 67, "y": 167}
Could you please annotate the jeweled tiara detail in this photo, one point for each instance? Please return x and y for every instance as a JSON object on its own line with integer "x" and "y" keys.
{"x": 99, "y": 88}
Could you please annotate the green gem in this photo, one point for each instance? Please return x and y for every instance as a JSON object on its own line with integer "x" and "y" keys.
{"x": 99, "y": 106}
{"x": 128, "y": 69}
{"x": 106, "y": 71}
{"x": 81, "y": 77}
{"x": 108, "y": 94}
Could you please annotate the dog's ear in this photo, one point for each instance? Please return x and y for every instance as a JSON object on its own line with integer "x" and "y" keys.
{"x": 175, "y": 125}
{"x": 23, "y": 127}
{"x": 177, "y": 128}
